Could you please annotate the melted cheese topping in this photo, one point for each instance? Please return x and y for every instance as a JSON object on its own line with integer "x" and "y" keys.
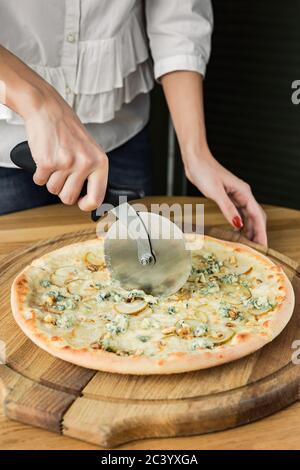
{"x": 73, "y": 297}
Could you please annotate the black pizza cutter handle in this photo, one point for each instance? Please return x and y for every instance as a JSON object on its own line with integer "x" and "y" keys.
{"x": 21, "y": 157}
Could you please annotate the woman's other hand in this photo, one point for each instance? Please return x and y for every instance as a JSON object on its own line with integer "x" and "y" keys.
{"x": 233, "y": 196}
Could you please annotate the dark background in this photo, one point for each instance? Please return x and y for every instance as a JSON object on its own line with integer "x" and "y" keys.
{"x": 253, "y": 128}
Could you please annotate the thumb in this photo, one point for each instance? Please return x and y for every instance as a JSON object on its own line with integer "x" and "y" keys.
{"x": 228, "y": 209}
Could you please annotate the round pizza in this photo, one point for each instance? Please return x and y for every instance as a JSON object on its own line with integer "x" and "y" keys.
{"x": 235, "y": 301}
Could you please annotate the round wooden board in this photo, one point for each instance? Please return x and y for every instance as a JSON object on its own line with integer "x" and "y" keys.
{"x": 110, "y": 409}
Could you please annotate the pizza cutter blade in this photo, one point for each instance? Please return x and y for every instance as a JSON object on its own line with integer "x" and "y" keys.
{"x": 144, "y": 250}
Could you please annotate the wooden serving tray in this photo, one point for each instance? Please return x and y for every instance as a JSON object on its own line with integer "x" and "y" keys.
{"x": 110, "y": 409}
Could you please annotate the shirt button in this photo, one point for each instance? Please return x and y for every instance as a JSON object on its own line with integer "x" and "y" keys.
{"x": 68, "y": 89}
{"x": 71, "y": 37}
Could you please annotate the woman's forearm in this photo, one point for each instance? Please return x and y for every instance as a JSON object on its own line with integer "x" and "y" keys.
{"x": 21, "y": 89}
{"x": 184, "y": 95}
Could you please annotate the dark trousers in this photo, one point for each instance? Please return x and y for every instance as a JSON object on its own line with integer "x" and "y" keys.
{"x": 129, "y": 166}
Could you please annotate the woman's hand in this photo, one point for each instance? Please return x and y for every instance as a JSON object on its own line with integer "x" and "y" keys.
{"x": 184, "y": 94}
{"x": 233, "y": 196}
{"x": 65, "y": 154}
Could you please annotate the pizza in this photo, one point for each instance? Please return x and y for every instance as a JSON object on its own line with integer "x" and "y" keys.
{"x": 235, "y": 301}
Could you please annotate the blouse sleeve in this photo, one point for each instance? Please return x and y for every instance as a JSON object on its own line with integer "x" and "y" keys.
{"x": 180, "y": 34}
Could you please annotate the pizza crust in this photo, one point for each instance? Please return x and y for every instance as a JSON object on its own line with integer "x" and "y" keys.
{"x": 175, "y": 362}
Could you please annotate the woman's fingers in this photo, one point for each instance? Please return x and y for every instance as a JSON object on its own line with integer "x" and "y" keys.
{"x": 72, "y": 188}
{"x": 96, "y": 188}
{"x": 233, "y": 196}
{"x": 253, "y": 215}
{"x": 67, "y": 184}
{"x": 56, "y": 182}
{"x": 42, "y": 174}
{"x": 227, "y": 207}
{"x": 258, "y": 219}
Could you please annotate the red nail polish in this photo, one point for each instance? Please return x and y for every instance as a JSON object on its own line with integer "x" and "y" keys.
{"x": 237, "y": 222}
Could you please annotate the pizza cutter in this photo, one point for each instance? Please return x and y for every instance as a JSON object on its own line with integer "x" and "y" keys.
{"x": 143, "y": 250}
{"x": 146, "y": 251}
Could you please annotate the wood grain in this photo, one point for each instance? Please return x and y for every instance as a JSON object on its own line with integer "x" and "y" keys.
{"x": 134, "y": 389}
{"x": 30, "y": 402}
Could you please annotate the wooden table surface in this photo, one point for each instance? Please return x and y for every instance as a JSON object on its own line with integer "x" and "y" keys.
{"x": 280, "y": 431}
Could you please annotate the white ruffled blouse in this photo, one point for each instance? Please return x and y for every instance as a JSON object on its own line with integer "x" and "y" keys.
{"x": 97, "y": 54}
